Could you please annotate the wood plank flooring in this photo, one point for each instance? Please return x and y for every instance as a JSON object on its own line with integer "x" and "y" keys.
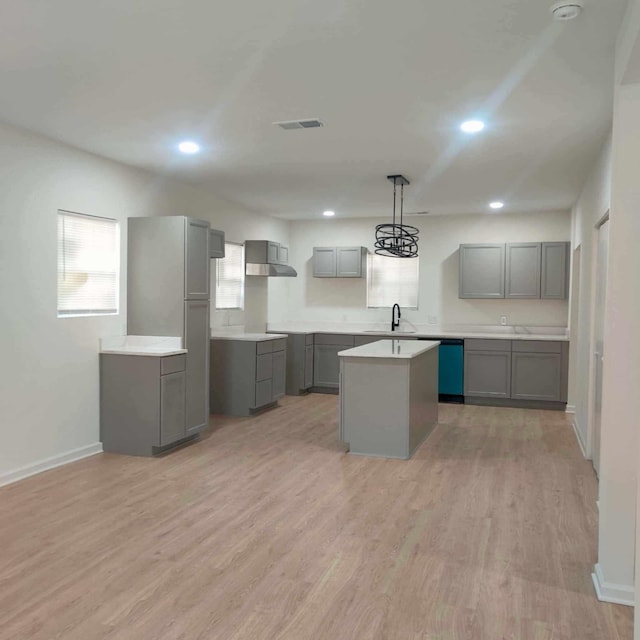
{"x": 265, "y": 529}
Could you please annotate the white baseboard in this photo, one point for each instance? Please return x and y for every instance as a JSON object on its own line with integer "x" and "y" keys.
{"x": 570, "y": 408}
{"x": 50, "y": 463}
{"x": 574, "y": 424}
{"x": 609, "y": 592}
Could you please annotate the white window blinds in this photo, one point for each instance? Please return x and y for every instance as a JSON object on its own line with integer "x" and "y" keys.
{"x": 230, "y": 278}
{"x": 88, "y": 265}
{"x": 391, "y": 280}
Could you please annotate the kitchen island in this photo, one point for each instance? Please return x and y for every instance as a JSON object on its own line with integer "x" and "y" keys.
{"x": 388, "y": 396}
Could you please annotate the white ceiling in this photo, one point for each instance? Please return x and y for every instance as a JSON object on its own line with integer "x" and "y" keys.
{"x": 129, "y": 80}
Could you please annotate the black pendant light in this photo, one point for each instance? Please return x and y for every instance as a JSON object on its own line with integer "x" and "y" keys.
{"x": 397, "y": 240}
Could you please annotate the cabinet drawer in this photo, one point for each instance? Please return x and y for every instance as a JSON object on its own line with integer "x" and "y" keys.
{"x": 308, "y": 339}
{"x": 264, "y": 366}
{"x": 474, "y": 344}
{"x": 537, "y": 346}
{"x": 263, "y": 393}
{"x": 334, "y": 338}
{"x": 279, "y": 345}
{"x": 173, "y": 364}
{"x": 266, "y": 346}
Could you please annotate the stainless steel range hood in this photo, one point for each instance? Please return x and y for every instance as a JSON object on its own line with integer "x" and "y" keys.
{"x": 267, "y": 259}
{"x": 271, "y": 270}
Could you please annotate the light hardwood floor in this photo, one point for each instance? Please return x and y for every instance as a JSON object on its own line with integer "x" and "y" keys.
{"x": 266, "y": 530}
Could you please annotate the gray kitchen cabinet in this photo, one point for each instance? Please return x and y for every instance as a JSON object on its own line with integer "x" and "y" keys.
{"x": 522, "y": 275}
{"x": 197, "y": 255}
{"x": 308, "y": 366}
{"x": 299, "y": 378}
{"x": 487, "y": 368}
{"x": 168, "y": 269}
{"x": 216, "y": 243}
{"x": 539, "y": 370}
{"x": 142, "y": 403}
{"x": 481, "y": 271}
{"x": 339, "y": 262}
{"x": 324, "y": 262}
{"x": 196, "y": 323}
{"x": 246, "y": 375}
{"x": 326, "y": 363}
{"x": 351, "y": 262}
{"x": 262, "y": 252}
{"x": 283, "y": 255}
{"x": 555, "y": 270}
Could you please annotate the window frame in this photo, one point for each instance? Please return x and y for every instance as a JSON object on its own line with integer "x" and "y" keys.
{"x": 242, "y": 279}
{"x": 371, "y": 270}
{"x": 61, "y": 216}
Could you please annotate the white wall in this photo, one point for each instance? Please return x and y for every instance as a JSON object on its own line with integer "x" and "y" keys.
{"x": 49, "y": 377}
{"x": 345, "y": 300}
{"x": 594, "y": 202}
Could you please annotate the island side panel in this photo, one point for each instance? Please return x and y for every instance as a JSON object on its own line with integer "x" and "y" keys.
{"x": 375, "y": 406}
{"x": 423, "y": 397}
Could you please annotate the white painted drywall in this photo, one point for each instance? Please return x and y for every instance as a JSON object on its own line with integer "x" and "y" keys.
{"x": 593, "y": 204}
{"x": 49, "y": 377}
{"x": 344, "y": 300}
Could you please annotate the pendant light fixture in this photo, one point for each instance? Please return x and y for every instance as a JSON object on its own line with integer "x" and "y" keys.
{"x": 397, "y": 240}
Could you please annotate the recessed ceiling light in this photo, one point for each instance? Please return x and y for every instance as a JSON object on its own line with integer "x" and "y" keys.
{"x": 472, "y": 126}
{"x": 496, "y": 205}
{"x": 329, "y": 214}
{"x": 189, "y": 147}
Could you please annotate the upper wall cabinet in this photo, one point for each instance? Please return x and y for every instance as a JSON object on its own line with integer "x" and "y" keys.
{"x": 555, "y": 270}
{"x": 265, "y": 252}
{"x": 518, "y": 271}
{"x": 522, "y": 279}
{"x": 481, "y": 271}
{"x": 216, "y": 243}
{"x": 339, "y": 262}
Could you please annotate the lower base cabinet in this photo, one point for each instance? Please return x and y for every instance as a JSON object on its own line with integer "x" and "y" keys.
{"x": 326, "y": 363}
{"x": 299, "y": 363}
{"x": 520, "y": 373}
{"x": 142, "y": 403}
{"x": 246, "y": 375}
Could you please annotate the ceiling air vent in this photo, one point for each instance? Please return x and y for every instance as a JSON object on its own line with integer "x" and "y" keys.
{"x": 310, "y": 123}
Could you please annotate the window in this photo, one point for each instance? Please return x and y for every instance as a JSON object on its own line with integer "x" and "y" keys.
{"x": 230, "y": 277}
{"x": 88, "y": 265}
{"x": 391, "y": 280}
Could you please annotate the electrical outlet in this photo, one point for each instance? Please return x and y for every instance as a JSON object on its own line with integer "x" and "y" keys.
{"x": 503, "y": 320}
{"x": 432, "y": 319}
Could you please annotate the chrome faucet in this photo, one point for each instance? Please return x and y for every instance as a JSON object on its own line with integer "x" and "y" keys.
{"x": 395, "y": 323}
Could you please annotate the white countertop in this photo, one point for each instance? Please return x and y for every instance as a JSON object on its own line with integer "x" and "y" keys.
{"x": 394, "y": 349}
{"x": 249, "y": 337}
{"x": 158, "y": 346}
{"x": 427, "y": 331}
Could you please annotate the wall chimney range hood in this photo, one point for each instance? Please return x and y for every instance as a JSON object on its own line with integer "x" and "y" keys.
{"x": 267, "y": 259}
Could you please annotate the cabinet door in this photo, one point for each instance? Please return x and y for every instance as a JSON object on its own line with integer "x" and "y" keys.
{"x": 283, "y": 255}
{"x": 522, "y": 279}
{"x": 308, "y": 366}
{"x": 536, "y": 376}
{"x": 273, "y": 253}
{"x": 554, "y": 270}
{"x": 349, "y": 262}
{"x": 481, "y": 271}
{"x": 216, "y": 243}
{"x": 324, "y": 262}
{"x": 197, "y": 384}
{"x": 487, "y": 374}
{"x": 172, "y": 406}
{"x": 196, "y": 260}
{"x": 264, "y": 366}
{"x": 264, "y": 394}
{"x": 279, "y": 374}
{"x": 326, "y": 365}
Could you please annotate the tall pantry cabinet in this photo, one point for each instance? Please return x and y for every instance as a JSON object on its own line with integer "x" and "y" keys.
{"x": 168, "y": 295}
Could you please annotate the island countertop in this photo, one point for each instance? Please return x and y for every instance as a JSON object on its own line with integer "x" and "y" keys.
{"x": 391, "y": 349}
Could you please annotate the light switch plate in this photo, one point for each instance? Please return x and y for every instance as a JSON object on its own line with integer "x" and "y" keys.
{"x": 503, "y": 320}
